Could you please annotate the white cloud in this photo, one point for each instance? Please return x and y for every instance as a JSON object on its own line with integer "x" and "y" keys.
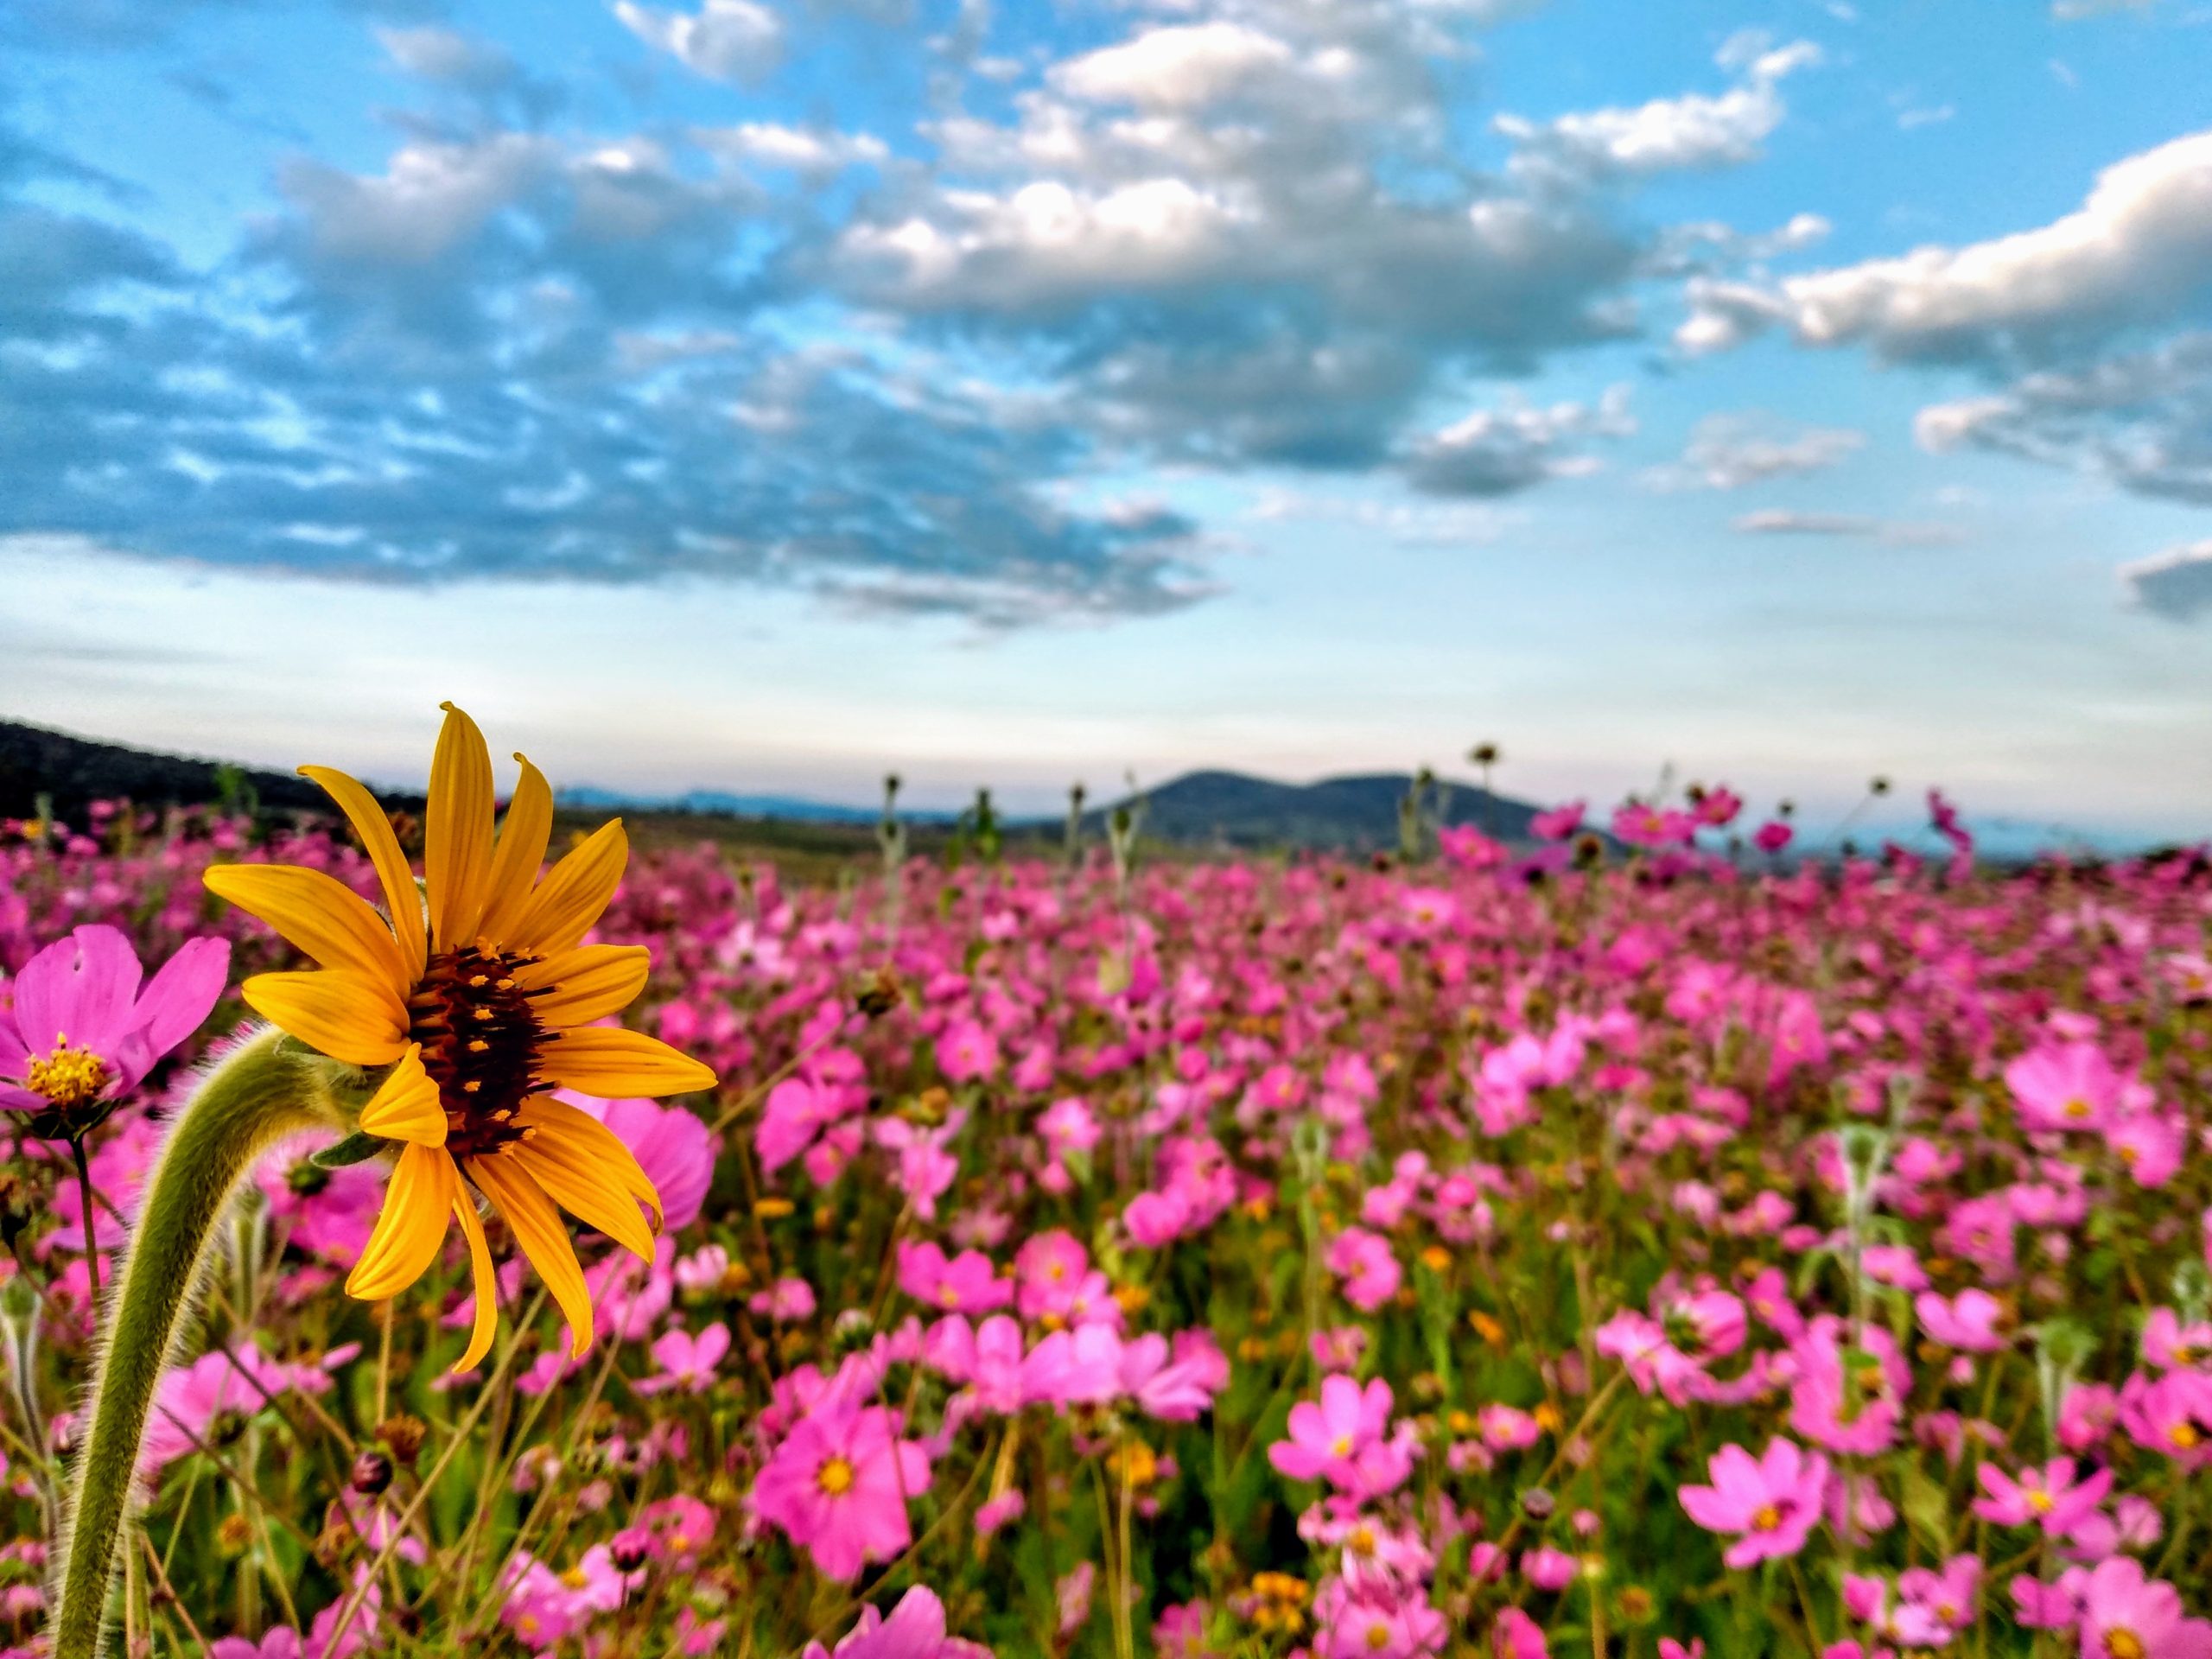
{"x": 2176, "y": 584}
{"x": 1728, "y": 452}
{"x": 725, "y": 40}
{"x": 2141, "y": 419}
{"x": 2140, "y": 246}
{"x": 1895, "y": 533}
{"x": 2073, "y": 10}
{"x": 808, "y": 150}
{"x": 1178, "y": 67}
{"x": 431, "y": 198}
{"x": 1914, "y": 116}
{"x": 1499, "y": 451}
{"x": 1694, "y": 131}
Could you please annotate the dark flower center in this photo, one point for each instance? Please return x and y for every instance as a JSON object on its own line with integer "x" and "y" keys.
{"x": 479, "y": 1038}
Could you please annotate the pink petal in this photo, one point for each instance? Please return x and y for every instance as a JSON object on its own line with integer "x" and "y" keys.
{"x": 183, "y": 994}
{"x": 80, "y": 989}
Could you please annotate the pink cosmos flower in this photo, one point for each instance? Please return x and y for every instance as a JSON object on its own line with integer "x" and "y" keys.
{"x": 1174, "y": 1389}
{"x": 2148, "y": 1145}
{"x": 1341, "y": 1439}
{"x": 1557, "y": 822}
{"x": 189, "y": 1399}
{"x": 1517, "y": 1635}
{"x": 1932, "y": 1605}
{"x": 687, "y": 1362}
{"x": 2126, "y": 1614}
{"x": 1968, "y": 1322}
{"x": 81, "y": 1034}
{"x": 839, "y": 1483}
{"x": 2168, "y": 1343}
{"x": 1847, "y": 1399}
{"x": 2066, "y": 1086}
{"x": 968, "y": 1283}
{"x": 1368, "y": 1270}
{"x": 967, "y": 1052}
{"x": 915, "y": 1630}
{"x": 2049, "y": 1496}
{"x": 1081, "y": 1367}
{"x": 1772, "y": 1501}
{"x": 1366, "y": 1625}
{"x": 1772, "y": 836}
{"x": 2053, "y": 1606}
{"x": 670, "y": 1144}
{"x": 1152, "y": 1219}
{"x": 1180, "y": 1631}
{"x": 1548, "y": 1569}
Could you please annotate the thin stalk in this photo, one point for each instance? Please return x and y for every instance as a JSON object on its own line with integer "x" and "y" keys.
{"x": 262, "y": 1091}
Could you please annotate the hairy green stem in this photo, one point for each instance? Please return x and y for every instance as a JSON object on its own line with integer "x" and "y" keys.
{"x": 264, "y": 1090}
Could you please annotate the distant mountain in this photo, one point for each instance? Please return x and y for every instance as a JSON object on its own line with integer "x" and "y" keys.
{"x": 73, "y": 771}
{"x": 1357, "y": 814}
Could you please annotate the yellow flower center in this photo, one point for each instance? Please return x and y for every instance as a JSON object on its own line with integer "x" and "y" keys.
{"x": 2121, "y": 1643}
{"x": 1767, "y": 1518}
{"x": 835, "y": 1478}
{"x": 574, "y": 1578}
{"x": 479, "y": 1038}
{"x": 1341, "y": 1447}
{"x": 1361, "y": 1541}
{"x": 2077, "y": 1108}
{"x": 1378, "y": 1636}
{"x": 69, "y": 1077}
{"x": 2040, "y": 1502}
{"x": 948, "y": 1295}
{"x": 2184, "y": 1435}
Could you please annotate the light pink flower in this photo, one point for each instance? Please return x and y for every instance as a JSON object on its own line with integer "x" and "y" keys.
{"x": 1772, "y": 1502}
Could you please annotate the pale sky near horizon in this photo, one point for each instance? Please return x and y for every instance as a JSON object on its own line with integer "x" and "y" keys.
{"x": 763, "y": 394}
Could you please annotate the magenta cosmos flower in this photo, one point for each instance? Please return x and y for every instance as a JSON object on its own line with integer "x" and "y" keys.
{"x": 1363, "y": 1261}
{"x": 82, "y": 1033}
{"x": 915, "y": 1631}
{"x": 839, "y": 1484}
{"x": 1772, "y": 1501}
{"x": 2125, "y": 1615}
{"x": 2049, "y": 1497}
{"x": 1341, "y": 1439}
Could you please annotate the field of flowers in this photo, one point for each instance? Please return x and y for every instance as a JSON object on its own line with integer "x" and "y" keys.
{"x": 1657, "y": 1254}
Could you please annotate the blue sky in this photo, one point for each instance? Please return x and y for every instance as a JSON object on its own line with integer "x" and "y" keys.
{"x": 761, "y": 394}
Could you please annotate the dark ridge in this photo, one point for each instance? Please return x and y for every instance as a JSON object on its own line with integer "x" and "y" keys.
{"x": 73, "y": 771}
{"x": 1357, "y": 813}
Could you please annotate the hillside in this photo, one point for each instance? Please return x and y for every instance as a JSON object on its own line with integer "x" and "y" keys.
{"x": 72, "y": 772}
{"x": 1200, "y": 810}
{"x": 1355, "y": 814}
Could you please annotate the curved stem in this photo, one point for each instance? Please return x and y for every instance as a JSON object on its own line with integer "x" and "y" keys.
{"x": 261, "y": 1092}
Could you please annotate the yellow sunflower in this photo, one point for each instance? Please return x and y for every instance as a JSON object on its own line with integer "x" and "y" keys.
{"x": 477, "y": 1015}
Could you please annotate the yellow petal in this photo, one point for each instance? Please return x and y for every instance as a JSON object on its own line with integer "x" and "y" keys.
{"x": 612, "y": 1064}
{"x": 569, "y": 899}
{"x": 405, "y": 1106}
{"x": 523, "y": 835}
{"x": 581, "y": 1137}
{"x": 403, "y": 901}
{"x": 487, "y": 1279}
{"x": 537, "y": 1228}
{"x": 410, "y": 1227}
{"x": 316, "y": 914}
{"x": 585, "y": 984}
{"x": 457, "y": 847}
{"x": 593, "y": 1197}
{"x": 344, "y": 1015}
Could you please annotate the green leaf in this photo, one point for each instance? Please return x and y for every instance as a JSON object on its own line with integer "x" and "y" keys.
{"x": 356, "y": 1148}
{"x": 1926, "y": 1510}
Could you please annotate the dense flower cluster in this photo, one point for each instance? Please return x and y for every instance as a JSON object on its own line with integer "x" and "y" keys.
{"x": 1488, "y": 1254}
